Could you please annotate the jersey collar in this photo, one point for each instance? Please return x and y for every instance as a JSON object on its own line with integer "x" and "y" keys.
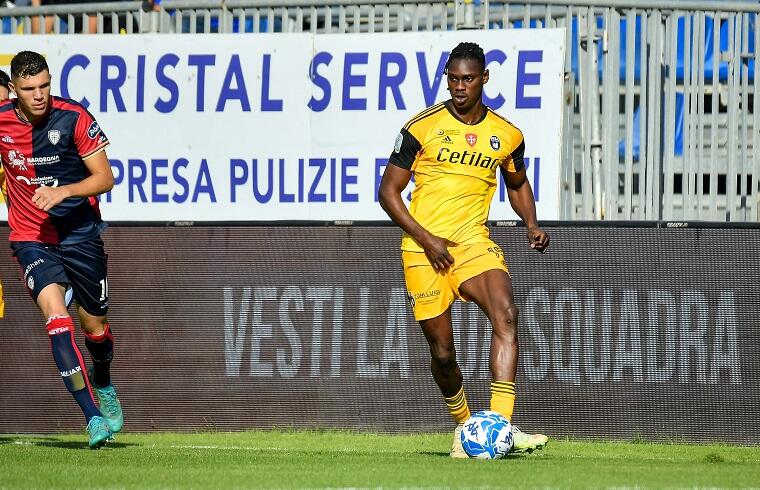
{"x": 24, "y": 120}
{"x": 447, "y": 104}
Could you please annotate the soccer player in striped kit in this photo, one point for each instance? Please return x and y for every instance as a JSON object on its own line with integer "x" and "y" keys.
{"x": 454, "y": 149}
{"x": 4, "y": 95}
{"x": 4, "y": 90}
{"x": 53, "y": 153}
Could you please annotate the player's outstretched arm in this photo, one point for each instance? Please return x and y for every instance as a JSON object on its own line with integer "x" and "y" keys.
{"x": 520, "y": 195}
{"x": 99, "y": 181}
{"x": 395, "y": 180}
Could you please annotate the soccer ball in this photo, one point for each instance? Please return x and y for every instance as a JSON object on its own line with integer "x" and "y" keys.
{"x": 487, "y": 435}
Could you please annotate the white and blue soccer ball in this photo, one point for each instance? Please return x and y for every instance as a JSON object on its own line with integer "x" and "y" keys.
{"x": 487, "y": 435}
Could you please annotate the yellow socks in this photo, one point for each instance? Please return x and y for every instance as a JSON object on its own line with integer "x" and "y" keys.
{"x": 502, "y": 401}
{"x": 503, "y": 398}
{"x": 457, "y": 406}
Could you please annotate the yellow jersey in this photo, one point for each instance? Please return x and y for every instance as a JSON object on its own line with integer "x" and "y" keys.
{"x": 3, "y": 186}
{"x": 454, "y": 166}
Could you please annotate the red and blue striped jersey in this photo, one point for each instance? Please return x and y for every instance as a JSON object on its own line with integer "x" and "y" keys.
{"x": 50, "y": 152}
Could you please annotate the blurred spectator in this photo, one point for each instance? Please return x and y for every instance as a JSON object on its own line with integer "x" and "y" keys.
{"x": 89, "y": 27}
{"x": 5, "y": 22}
{"x": 4, "y": 90}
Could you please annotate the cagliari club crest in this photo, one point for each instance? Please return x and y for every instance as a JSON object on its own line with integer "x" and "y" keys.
{"x": 54, "y": 136}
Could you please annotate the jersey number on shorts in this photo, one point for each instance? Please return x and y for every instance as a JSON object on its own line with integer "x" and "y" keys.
{"x": 103, "y": 289}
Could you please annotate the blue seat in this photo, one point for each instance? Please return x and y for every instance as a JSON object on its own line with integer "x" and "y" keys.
{"x": 677, "y": 136}
{"x": 709, "y": 48}
{"x": 263, "y": 25}
{"x": 723, "y": 40}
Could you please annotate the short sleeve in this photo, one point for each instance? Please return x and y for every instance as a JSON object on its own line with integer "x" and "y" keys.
{"x": 405, "y": 150}
{"x": 517, "y": 158}
{"x": 88, "y": 136}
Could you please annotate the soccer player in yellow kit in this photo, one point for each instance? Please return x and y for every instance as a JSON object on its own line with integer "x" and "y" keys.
{"x": 454, "y": 150}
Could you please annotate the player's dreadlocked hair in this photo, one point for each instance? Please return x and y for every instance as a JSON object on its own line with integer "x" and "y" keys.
{"x": 469, "y": 51}
{"x": 27, "y": 64}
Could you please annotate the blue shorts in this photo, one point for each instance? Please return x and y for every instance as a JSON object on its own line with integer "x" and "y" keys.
{"x": 82, "y": 266}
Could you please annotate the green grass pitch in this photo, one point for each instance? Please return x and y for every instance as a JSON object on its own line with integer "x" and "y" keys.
{"x": 317, "y": 459}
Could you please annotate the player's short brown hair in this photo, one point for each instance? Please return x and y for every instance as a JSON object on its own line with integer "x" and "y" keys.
{"x": 27, "y": 64}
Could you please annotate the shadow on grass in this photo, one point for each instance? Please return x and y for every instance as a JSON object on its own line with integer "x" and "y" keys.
{"x": 508, "y": 456}
{"x": 55, "y": 442}
{"x": 436, "y": 453}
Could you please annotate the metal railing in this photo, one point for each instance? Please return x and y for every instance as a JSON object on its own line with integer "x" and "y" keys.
{"x": 661, "y": 113}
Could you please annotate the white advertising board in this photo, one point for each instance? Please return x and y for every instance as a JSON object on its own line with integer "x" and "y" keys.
{"x": 287, "y": 126}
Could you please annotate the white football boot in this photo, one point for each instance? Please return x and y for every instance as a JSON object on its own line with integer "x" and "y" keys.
{"x": 526, "y": 443}
{"x": 457, "y": 451}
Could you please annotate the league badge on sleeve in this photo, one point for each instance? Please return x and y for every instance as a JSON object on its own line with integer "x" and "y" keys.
{"x": 93, "y": 130}
{"x": 397, "y": 144}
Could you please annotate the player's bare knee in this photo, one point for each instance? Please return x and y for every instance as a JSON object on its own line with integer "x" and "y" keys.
{"x": 504, "y": 320}
{"x": 94, "y": 325}
{"x": 445, "y": 359}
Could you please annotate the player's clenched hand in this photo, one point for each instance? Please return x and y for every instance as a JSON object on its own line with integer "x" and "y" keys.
{"x": 46, "y": 197}
{"x": 538, "y": 239}
{"x": 437, "y": 252}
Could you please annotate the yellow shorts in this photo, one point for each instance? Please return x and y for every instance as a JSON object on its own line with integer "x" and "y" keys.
{"x": 431, "y": 293}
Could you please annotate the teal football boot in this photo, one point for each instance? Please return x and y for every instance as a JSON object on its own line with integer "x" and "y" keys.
{"x": 99, "y": 432}
{"x": 109, "y": 404}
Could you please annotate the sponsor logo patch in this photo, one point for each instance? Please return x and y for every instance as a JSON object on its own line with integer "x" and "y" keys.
{"x": 49, "y": 160}
{"x": 58, "y": 330}
{"x": 495, "y": 143}
{"x": 424, "y": 298}
{"x": 37, "y": 181}
{"x": 32, "y": 266}
{"x": 447, "y": 140}
{"x": 8, "y": 139}
{"x": 17, "y": 159}
{"x": 451, "y": 132}
{"x": 71, "y": 372}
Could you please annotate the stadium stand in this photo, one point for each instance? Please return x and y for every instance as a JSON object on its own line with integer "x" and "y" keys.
{"x": 674, "y": 80}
